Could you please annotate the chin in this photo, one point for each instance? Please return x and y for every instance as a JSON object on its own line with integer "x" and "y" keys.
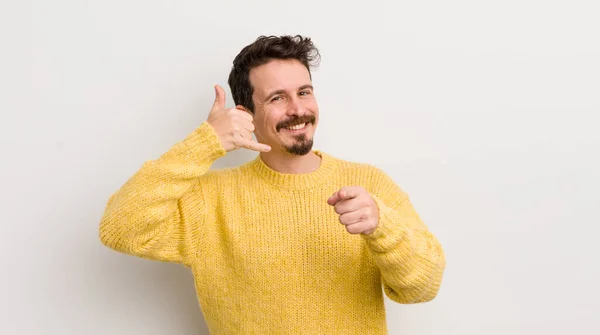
{"x": 300, "y": 149}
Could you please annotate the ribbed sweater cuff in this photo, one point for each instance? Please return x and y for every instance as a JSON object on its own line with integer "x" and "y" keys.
{"x": 203, "y": 145}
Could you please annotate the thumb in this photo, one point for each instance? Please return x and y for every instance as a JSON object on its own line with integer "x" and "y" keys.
{"x": 335, "y": 198}
{"x": 219, "y": 97}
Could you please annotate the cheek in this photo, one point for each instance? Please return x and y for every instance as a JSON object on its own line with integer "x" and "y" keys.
{"x": 266, "y": 118}
{"x": 260, "y": 117}
{"x": 259, "y": 125}
{"x": 272, "y": 116}
{"x": 265, "y": 123}
{"x": 312, "y": 106}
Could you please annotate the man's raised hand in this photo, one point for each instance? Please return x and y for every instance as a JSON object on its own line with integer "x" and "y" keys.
{"x": 234, "y": 126}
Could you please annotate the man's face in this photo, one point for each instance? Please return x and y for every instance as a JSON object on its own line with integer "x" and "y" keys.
{"x": 285, "y": 109}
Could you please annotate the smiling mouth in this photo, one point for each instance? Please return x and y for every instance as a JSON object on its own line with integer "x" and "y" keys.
{"x": 296, "y": 127}
{"x": 297, "y": 124}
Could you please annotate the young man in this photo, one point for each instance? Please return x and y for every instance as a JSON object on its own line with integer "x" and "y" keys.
{"x": 295, "y": 241}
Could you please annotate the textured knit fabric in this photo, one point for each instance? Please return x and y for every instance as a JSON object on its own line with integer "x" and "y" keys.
{"x": 268, "y": 254}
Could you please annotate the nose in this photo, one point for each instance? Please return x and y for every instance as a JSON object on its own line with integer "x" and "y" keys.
{"x": 295, "y": 107}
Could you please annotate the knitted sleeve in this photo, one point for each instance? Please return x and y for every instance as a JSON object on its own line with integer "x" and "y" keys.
{"x": 143, "y": 217}
{"x": 409, "y": 256}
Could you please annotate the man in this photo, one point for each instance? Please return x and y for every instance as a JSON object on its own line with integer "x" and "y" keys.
{"x": 295, "y": 241}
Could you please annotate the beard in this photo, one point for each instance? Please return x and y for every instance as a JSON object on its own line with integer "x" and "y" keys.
{"x": 302, "y": 145}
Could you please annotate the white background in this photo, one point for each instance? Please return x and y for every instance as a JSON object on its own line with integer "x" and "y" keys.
{"x": 485, "y": 112}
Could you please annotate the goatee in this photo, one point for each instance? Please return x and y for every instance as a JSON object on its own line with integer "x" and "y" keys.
{"x": 302, "y": 146}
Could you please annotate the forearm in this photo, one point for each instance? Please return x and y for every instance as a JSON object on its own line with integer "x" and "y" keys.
{"x": 410, "y": 258}
{"x": 142, "y": 218}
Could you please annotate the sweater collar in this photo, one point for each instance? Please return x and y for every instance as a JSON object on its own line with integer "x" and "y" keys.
{"x": 296, "y": 180}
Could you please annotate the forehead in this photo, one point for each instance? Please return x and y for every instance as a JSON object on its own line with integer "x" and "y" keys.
{"x": 279, "y": 74}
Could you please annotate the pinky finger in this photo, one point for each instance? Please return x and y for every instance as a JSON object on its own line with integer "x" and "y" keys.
{"x": 252, "y": 145}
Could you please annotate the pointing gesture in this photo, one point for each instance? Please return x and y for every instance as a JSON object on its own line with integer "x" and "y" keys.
{"x": 358, "y": 210}
{"x": 234, "y": 126}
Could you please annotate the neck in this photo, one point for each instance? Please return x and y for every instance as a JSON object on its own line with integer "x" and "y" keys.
{"x": 284, "y": 162}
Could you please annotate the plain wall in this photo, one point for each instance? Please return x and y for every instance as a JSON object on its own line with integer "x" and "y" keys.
{"x": 486, "y": 113}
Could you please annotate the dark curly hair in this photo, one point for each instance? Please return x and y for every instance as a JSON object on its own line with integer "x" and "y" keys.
{"x": 263, "y": 50}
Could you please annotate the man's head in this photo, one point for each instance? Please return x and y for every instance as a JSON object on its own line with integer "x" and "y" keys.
{"x": 271, "y": 78}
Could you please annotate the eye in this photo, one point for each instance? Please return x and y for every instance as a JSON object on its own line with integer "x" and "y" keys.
{"x": 276, "y": 98}
{"x": 304, "y": 93}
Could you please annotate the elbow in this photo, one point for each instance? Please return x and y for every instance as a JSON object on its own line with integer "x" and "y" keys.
{"x": 103, "y": 236}
{"x": 419, "y": 291}
{"x": 413, "y": 296}
{"x": 110, "y": 233}
{"x": 428, "y": 292}
{"x": 104, "y": 233}
{"x": 108, "y": 227}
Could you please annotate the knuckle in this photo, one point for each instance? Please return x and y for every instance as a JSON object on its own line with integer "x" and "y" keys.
{"x": 237, "y": 139}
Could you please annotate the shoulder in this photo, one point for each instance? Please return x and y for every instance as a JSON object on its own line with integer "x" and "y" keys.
{"x": 221, "y": 177}
{"x": 374, "y": 178}
{"x": 350, "y": 166}
{"x": 219, "y": 181}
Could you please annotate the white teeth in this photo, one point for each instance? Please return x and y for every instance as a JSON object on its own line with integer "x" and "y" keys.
{"x": 296, "y": 127}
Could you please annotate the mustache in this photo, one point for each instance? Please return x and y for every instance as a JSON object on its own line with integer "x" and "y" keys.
{"x": 296, "y": 120}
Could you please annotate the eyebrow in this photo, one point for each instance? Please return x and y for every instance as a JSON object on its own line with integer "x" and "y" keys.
{"x": 303, "y": 87}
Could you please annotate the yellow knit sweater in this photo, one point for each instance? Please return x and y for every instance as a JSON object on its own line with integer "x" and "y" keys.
{"x": 268, "y": 254}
